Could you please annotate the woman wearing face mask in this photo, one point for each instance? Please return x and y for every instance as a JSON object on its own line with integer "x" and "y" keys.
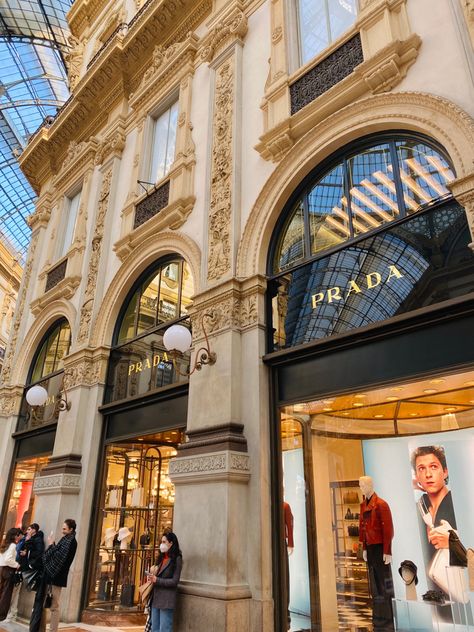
{"x": 163, "y": 599}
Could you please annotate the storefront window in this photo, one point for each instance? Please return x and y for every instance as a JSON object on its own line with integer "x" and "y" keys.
{"x": 136, "y": 508}
{"x": 415, "y": 442}
{"x": 358, "y": 193}
{"x": 21, "y": 502}
{"x": 47, "y": 371}
{"x": 164, "y": 295}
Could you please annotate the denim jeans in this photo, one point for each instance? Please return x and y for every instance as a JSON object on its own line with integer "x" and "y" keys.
{"x": 162, "y": 620}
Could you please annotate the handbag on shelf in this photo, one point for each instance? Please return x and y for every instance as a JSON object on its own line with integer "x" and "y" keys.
{"x": 353, "y": 530}
{"x": 126, "y": 595}
{"x": 351, "y": 498}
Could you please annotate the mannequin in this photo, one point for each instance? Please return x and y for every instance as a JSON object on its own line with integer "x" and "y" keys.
{"x": 109, "y": 537}
{"x": 124, "y": 537}
{"x": 408, "y": 572}
{"x": 289, "y": 542}
{"x": 376, "y": 534}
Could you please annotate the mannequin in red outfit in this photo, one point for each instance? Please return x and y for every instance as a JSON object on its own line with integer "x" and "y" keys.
{"x": 288, "y": 520}
{"x": 376, "y": 535}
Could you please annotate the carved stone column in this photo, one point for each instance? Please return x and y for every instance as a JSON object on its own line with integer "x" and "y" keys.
{"x": 463, "y": 191}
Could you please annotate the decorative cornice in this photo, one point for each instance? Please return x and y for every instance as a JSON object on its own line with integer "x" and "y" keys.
{"x": 78, "y": 158}
{"x": 380, "y": 73}
{"x": 171, "y": 217}
{"x": 218, "y": 466}
{"x": 10, "y": 400}
{"x": 463, "y": 191}
{"x": 232, "y": 28}
{"x": 42, "y": 213}
{"x": 64, "y": 289}
{"x": 57, "y": 484}
{"x": 112, "y": 76}
{"x": 167, "y": 62}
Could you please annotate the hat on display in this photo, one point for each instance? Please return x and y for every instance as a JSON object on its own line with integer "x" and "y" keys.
{"x": 124, "y": 532}
{"x": 109, "y": 532}
{"x": 412, "y": 567}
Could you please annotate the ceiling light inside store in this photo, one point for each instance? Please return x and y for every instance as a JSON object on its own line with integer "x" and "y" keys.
{"x": 358, "y": 404}
{"x": 450, "y": 409}
{"x": 391, "y": 398}
{"x": 437, "y": 381}
{"x": 430, "y": 391}
{"x": 379, "y": 416}
{"x": 470, "y": 383}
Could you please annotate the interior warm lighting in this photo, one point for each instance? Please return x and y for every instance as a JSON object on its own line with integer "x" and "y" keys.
{"x": 418, "y": 169}
{"x": 379, "y": 416}
{"x": 449, "y": 422}
{"x": 437, "y": 381}
{"x": 391, "y": 398}
{"x": 450, "y": 409}
{"x": 358, "y": 404}
{"x": 430, "y": 391}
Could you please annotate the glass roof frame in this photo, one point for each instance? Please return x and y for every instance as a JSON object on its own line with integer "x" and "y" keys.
{"x": 34, "y": 40}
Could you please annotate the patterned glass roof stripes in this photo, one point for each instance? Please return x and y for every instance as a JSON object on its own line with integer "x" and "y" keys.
{"x": 33, "y": 85}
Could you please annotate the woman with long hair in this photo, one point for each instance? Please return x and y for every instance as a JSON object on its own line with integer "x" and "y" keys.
{"x": 163, "y": 598}
{"x": 8, "y": 566}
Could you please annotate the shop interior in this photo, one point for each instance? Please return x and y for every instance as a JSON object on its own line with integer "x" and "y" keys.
{"x": 21, "y": 502}
{"x": 136, "y": 508}
{"x": 327, "y": 444}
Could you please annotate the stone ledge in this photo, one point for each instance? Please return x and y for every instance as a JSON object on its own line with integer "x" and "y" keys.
{"x": 218, "y": 466}
{"x": 57, "y": 484}
{"x": 215, "y": 591}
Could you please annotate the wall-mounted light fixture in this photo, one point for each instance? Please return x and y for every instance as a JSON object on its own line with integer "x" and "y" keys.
{"x": 37, "y": 396}
{"x": 177, "y": 341}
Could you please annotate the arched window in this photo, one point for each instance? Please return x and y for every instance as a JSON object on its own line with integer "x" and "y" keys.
{"x": 161, "y": 295}
{"x": 381, "y": 180}
{"x": 49, "y": 357}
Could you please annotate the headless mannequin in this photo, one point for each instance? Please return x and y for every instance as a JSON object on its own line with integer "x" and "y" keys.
{"x": 376, "y": 533}
{"x": 409, "y": 578}
{"x": 366, "y": 485}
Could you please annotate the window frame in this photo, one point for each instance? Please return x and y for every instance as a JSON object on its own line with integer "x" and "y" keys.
{"x": 295, "y": 19}
{"x": 316, "y": 175}
{"x": 58, "y": 324}
{"x": 153, "y": 116}
{"x": 64, "y": 223}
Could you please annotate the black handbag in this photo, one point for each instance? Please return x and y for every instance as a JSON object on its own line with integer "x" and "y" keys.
{"x": 17, "y": 578}
{"x": 32, "y": 579}
{"x": 457, "y": 551}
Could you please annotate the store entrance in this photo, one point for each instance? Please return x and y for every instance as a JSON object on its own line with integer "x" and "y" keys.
{"x": 416, "y": 441}
{"x": 135, "y": 509}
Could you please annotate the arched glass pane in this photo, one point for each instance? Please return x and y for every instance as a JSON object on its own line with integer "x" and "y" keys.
{"x": 328, "y": 216}
{"x": 148, "y": 303}
{"x": 169, "y": 292}
{"x": 372, "y": 189}
{"x": 54, "y": 348}
{"x": 127, "y": 328}
{"x": 291, "y": 247}
{"x": 424, "y": 173}
{"x": 187, "y": 289}
{"x": 164, "y": 296}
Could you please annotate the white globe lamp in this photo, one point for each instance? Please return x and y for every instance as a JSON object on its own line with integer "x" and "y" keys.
{"x": 177, "y": 338}
{"x": 36, "y": 395}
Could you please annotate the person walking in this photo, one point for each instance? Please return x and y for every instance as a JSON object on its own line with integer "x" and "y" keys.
{"x": 163, "y": 599}
{"x": 56, "y": 561}
{"x": 8, "y": 566}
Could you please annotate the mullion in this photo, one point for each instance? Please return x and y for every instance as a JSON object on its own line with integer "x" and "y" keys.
{"x": 345, "y": 175}
{"x": 397, "y": 180}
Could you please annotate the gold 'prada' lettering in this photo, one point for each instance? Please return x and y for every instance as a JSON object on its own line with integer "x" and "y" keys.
{"x": 153, "y": 361}
{"x": 372, "y": 280}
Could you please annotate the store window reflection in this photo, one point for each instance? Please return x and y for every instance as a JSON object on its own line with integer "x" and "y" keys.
{"x": 21, "y": 499}
{"x": 377, "y": 183}
{"x": 389, "y": 434}
{"x": 136, "y": 508}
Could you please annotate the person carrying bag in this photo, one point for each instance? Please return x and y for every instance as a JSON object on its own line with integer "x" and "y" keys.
{"x": 8, "y": 566}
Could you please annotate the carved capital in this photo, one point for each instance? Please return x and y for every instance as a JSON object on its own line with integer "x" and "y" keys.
{"x": 217, "y": 466}
{"x": 463, "y": 191}
{"x": 85, "y": 368}
{"x": 57, "y": 484}
{"x": 112, "y": 145}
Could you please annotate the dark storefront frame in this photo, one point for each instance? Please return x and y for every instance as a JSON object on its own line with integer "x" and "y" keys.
{"x": 433, "y": 338}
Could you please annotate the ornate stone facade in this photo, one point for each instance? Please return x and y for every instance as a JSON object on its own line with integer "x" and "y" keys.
{"x": 220, "y": 208}
{"x": 94, "y": 260}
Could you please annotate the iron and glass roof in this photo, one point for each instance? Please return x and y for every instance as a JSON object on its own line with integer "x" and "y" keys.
{"x": 33, "y": 85}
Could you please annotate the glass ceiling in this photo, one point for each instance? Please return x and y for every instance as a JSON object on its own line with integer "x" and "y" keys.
{"x": 33, "y": 84}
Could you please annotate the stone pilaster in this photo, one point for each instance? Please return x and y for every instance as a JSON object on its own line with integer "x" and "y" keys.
{"x": 463, "y": 191}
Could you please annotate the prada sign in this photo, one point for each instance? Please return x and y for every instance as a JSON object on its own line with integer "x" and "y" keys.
{"x": 360, "y": 285}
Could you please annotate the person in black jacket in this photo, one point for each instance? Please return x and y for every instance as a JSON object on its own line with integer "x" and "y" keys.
{"x": 56, "y": 560}
{"x": 31, "y": 548}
